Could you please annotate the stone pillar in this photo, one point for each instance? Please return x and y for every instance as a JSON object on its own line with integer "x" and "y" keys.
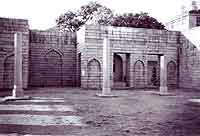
{"x": 18, "y": 82}
{"x": 131, "y": 71}
{"x": 124, "y": 63}
{"x": 1, "y": 71}
{"x": 106, "y": 67}
{"x": 163, "y": 74}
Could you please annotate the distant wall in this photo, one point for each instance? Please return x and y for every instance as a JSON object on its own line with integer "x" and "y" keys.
{"x": 183, "y": 22}
{"x": 193, "y": 20}
{"x": 52, "y": 58}
{"x": 8, "y": 27}
{"x": 180, "y": 23}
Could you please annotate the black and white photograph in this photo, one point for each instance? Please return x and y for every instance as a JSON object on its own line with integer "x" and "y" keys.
{"x": 100, "y": 68}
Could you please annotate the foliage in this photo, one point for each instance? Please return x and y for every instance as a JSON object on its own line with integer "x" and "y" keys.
{"x": 103, "y": 16}
{"x": 69, "y": 21}
{"x": 142, "y": 20}
{"x": 96, "y": 13}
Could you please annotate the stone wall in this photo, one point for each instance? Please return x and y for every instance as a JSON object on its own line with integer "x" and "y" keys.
{"x": 49, "y": 58}
{"x": 52, "y": 58}
{"x": 189, "y": 55}
{"x": 8, "y": 27}
{"x": 137, "y": 43}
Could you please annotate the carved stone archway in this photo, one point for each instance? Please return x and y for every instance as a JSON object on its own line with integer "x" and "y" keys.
{"x": 171, "y": 74}
{"x": 139, "y": 77}
{"x": 94, "y": 74}
{"x": 52, "y": 74}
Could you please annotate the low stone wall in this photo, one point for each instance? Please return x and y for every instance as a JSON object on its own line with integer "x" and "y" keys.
{"x": 52, "y": 58}
{"x": 8, "y": 27}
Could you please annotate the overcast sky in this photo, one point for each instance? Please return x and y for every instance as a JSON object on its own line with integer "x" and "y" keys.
{"x": 43, "y": 13}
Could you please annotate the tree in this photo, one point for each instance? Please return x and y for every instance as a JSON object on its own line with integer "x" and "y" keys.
{"x": 93, "y": 11}
{"x": 142, "y": 20}
{"x": 69, "y": 21}
{"x": 102, "y": 16}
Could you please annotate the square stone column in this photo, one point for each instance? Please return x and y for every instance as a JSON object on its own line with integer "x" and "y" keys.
{"x": 18, "y": 82}
{"x": 106, "y": 89}
{"x": 1, "y": 71}
{"x": 163, "y": 74}
{"x": 131, "y": 71}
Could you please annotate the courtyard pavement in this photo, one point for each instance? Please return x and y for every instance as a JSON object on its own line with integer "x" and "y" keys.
{"x": 78, "y": 112}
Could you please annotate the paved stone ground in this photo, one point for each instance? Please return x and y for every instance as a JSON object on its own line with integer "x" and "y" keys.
{"x": 76, "y": 112}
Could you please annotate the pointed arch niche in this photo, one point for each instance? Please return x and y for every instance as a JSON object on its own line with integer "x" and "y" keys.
{"x": 139, "y": 77}
{"x": 52, "y": 68}
{"x": 171, "y": 74}
{"x": 94, "y": 74}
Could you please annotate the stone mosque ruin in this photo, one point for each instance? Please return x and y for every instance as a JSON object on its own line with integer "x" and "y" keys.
{"x": 139, "y": 58}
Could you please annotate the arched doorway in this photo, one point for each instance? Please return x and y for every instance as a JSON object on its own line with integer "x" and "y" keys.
{"x": 94, "y": 74}
{"x": 171, "y": 74}
{"x": 139, "y": 74}
{"x": 52, "y": 69}
{"x": 8, "y": 76}
{"x": 118, "y": 68}
{"x": 153, "y": 74}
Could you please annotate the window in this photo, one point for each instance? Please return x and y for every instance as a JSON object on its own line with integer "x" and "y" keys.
{"x": 198, "y": 21}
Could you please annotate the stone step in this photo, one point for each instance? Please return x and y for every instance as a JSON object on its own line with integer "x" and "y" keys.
{"x": 27, "y": 107}
{"x": 40, "y": 120}
{"x": 119, "y": 84}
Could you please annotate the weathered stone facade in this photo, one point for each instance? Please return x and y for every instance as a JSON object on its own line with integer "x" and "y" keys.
{"x": 189, "y": 59}
{"x": 52, "y": 58}
{"x": 7, "y": 29}
{"x": 189, "y": 51}
{"x": 49, "y": 58}
{"x": 140, "y": 48}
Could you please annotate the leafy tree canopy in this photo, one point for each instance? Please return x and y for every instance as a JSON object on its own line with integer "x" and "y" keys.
{"x": 93, "y": 11}
{"x": 96, "y": 13}
{"x": 142, "y": 20}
